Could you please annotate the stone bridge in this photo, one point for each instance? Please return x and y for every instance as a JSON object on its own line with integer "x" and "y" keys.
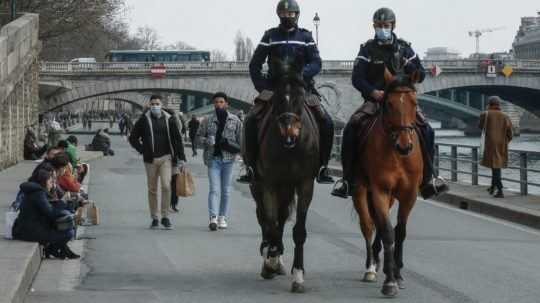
{"x": 65, "y": 83}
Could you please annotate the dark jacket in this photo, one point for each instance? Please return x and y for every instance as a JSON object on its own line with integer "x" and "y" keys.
{"x": 36, "y": 219}
{"x": 368, "y": 72}
{"x": 142, "y": 137}
{"x": 101, "y": 142}
{"x": 193, "y": 126}
{"x": 281, "y": 43}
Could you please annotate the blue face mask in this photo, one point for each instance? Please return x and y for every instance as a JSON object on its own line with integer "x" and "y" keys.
{"x": 383, "y": 34}
{"x": 156, "y": 109}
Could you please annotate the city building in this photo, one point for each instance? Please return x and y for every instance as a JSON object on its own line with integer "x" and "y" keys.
{"x": 442, "y": 53}
{"x": 527, "y": 41}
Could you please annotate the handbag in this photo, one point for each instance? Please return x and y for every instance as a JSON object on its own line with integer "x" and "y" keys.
{"x": 11, "y": 216}
{"x": 184, "y": 184}
{"x": 483, "y": 136}
{"x": 65, "y": 222}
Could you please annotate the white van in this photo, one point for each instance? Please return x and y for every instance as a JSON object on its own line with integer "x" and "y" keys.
{"x": 83, "y": 60}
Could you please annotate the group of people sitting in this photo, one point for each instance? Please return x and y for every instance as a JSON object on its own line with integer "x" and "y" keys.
{"x": 47, "y": 202}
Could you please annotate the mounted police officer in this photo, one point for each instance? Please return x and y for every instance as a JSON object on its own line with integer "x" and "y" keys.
{"x": 386, "y": 50}
{"x": 286, "y": 40}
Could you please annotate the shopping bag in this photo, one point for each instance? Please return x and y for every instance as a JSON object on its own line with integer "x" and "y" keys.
{"x": 11, "y": 216}
{"x": 93, "y": 214}
{"x": 184, "y": 184}
{"x": 483, "y": 136}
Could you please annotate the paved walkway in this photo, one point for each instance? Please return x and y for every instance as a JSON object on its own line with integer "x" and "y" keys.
{"x": 450, "y": 255}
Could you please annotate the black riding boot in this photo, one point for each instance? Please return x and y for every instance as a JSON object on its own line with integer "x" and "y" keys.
{"x": 250, "y": 149}
{"x": 347, "y": 158}
{"x": 326, "y": 134}
{"x": 428, "y": 188}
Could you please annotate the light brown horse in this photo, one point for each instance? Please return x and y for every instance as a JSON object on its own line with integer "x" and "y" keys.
{"x": 389, "y": 168}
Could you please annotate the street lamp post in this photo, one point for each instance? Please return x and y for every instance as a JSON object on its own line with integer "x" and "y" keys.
{"x": 317, "y": 22}
{"x": 13, "y": 9}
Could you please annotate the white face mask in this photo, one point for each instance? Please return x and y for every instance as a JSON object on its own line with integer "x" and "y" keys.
{"x": 156, "y": 109}
{"x": 384, "y": 34}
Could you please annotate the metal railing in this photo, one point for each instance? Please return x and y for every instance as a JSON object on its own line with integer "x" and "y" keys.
{"x": 328, "y": 66}
{"x": 465, "y": 160}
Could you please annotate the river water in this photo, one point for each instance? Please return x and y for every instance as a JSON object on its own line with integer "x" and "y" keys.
{"x": 525, "y": 142}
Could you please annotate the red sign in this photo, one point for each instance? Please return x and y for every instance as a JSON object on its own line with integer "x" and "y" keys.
{"x": 158, "y": 71}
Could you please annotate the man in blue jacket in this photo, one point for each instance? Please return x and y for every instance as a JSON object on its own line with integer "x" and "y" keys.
{"x": 386, "y": 50}
{"x": 286, "y": 40}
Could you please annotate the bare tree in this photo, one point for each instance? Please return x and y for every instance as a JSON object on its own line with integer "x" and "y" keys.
{"x": 249, "y": 49}
{"x": 148, "y": 38}
{"x": 218, "y": 55}
{"x": 179, "y": 45}
{"x": 240, "y": 47}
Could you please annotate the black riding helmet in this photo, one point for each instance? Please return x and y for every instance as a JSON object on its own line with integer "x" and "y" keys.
{"x": 288, "y": 6}
{"x": 385, "y": 15}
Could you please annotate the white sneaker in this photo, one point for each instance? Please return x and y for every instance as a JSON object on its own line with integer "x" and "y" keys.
{"x": 213, "y": 223}
{"x": 222, "y": 222}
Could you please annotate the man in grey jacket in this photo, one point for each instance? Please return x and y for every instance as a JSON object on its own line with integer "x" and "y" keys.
{"x": 220, "y": 136}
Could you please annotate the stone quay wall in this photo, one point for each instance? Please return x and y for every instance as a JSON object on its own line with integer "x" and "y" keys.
{"x": 19, "y": 84}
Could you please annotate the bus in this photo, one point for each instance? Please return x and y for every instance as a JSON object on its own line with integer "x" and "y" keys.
{"x": 159, "y": 56}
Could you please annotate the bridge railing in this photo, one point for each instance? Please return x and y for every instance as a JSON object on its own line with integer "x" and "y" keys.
{"x": 328, "y": 66}
{"x": 462, "y": 163}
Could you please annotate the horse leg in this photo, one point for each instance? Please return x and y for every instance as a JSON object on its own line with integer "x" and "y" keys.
{"x": 270, "y": 249}
{"x": 400, "y": 231}
{"x": 368, "y": 227}
{"x": 381, "y": 206}
{"x": 377, "y": 242}
{"x": 305, "y": 195}
{"x": 283, "y": 216}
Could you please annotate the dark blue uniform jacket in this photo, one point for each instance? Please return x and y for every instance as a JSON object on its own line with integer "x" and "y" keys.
{"x": 368, "y": 72}
{"x": 281, "y": 43}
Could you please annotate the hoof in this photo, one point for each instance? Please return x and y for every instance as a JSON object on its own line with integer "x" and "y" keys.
{"x": 370, "y": 277}
{"x": 298, "y": 288}
{"x": 389, "y": 290}
{"x": 267, "y": 273}
{"x": 401, "y": 283}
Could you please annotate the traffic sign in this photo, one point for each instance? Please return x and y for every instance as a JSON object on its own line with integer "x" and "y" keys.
{"x": 491, "y": 71}
{"x": 436, "y": 70}
{"x": 158, "y": 71}
{"x": 507, "y": 71}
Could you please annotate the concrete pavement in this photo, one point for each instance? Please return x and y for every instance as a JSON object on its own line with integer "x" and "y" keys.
{"x": 450, "y": 255}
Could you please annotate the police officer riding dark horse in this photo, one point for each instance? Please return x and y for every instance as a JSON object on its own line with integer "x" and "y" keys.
{"x": 286, "y": 41}
{"x": 386, "y": 50}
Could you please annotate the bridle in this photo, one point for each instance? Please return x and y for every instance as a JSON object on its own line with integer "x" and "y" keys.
{"x": 395, "y": 130}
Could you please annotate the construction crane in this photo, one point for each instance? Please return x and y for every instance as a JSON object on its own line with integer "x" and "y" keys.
{"x": 479, "y": 32}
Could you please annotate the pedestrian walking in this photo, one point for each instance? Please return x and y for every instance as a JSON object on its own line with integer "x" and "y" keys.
{"x": 156, "y": 135}
{"x": 193, "y": 127}
{"x": 497, "y": 128}
{"x": 220, "y": 135}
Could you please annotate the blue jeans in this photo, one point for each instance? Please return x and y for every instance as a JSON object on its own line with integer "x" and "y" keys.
{"x": 220, "y": 175}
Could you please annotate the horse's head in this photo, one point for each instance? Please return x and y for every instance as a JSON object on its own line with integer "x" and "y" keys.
{"x": 399, "y": 109}
{"x": 289, "y": 88}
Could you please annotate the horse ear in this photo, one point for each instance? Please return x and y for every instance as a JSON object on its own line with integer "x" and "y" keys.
{"x": 388, "y": 77}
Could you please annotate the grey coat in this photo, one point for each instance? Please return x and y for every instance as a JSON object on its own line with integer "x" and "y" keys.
{"x": 208, "y": 128}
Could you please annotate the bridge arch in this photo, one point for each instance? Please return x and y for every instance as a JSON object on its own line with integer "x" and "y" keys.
{"x": 238, "y": 89}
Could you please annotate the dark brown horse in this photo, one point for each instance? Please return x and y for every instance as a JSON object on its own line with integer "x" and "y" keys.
{"x": 390, "y": 168}
{"x": 287, "y": 167}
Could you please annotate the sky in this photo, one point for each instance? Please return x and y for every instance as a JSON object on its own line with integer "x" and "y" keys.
{"x": 345, "y": 24}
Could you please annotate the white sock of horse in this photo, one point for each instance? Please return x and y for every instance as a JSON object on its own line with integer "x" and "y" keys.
{"x": 298, "y": 276}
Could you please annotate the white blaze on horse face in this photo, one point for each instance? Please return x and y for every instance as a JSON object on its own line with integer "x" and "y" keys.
{"x": 298, "y": 276}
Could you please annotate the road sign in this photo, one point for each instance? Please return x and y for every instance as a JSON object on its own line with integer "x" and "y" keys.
{"x": 491, "y": 71}
{"x": 158, "y": 71}
{"x": 507, "y": 71}
{"x": 436, "y": 70}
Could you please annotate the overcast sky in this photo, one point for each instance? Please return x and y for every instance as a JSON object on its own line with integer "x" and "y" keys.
{"x": 345, "y": 24}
